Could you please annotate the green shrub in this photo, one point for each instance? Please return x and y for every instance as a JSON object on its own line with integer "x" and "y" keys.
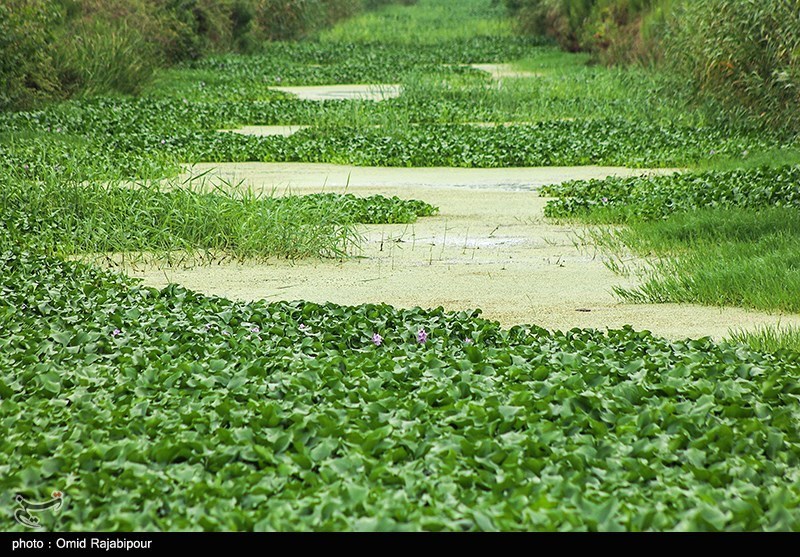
{"x": 26, "y": 71}
{"x": 611, "y": 29}
{"x": 100, "y": 57}
{"x": 57, "y": 49}
{"x": 614, "y": 31}
{"x": 743, "y": 52}
{"x": 188, "y": 29}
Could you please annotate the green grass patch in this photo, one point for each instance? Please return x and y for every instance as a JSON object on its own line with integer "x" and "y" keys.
{"x": 769, "y": 338}
{"x": 727, "y": 238}
{"x": 426, "y": 22}
{"x": 158, "y": 219}
{"x": 726, "y": 258}
{"x": 786, "y": 156}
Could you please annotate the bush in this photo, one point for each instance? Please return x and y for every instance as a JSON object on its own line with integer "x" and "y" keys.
{"x": 744, "y": 52}
{"x": 26, "y": 70}
{"x": 615, "y": 31}
{"x": 57, "y": 49}
{"x": 611, "y": 29}
{"x": 188, "y": 29}
{"x": 99, "y": 57}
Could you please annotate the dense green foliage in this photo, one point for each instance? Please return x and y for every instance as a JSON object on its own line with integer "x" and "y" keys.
{"x": 64, "y": 48}
{"x": 26, "y": 72}
{"x": 431, "y": 123}
{"x": 744, "y": 53}
{"x": 170, "y": 410}
{"x": 614, "y": 30}
{"x": 571, "y": 114}
{"x": 619, "y": 200}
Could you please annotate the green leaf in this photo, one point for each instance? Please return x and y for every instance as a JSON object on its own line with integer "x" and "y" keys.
{"x": 483, "y": 522}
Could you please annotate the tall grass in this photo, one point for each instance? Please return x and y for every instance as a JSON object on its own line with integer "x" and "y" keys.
{"x": 768, "y": 338}
{"x": 726, "y": 257}
{"x": 159, "y": 219}
{"x": 743, "y": 52}
{"x": 570, "y": 86}
{"x": 104, "y": 58}
{"x": 198, "y": 217}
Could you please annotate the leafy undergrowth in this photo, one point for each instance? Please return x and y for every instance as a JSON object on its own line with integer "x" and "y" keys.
{"x": 326, "y": 63}
{"x": 550, "y": 143}
{"x": 159, "y": 218}
{"x": 149, "y": 152}
{"x": 374, "y": 209}
{"x": 171, "y": 410}
{"x": 617, "y": 200}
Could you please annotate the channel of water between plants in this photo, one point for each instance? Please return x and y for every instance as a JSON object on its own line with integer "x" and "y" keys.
{"x": 489, "y": 248}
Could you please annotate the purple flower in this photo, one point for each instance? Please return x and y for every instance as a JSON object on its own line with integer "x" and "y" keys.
{"x": 116, "y": 333}
{"x": 422, "y": 336}
{"x": 377, "y": 339}
{"x": 209, "y": 326}
{"x": 163, "y": 141}
{"x": 303, "y": 327}
{"x": 712, "y": 152}
{"x": 605, "y": 200}
{"x": 255, "y": 329}
{"x": 25, "y": 166}
{"x": 226, "y": 333}
{"x": 467, "y": 341}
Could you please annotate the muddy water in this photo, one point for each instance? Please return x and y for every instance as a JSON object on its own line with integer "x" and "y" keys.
{"x": 499, "y": 71}
{"x": 377, "y": 92}
{"x": 313, "y": 177}
{"x": 488, "y": 248}
{"x": 266, "y": 131}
